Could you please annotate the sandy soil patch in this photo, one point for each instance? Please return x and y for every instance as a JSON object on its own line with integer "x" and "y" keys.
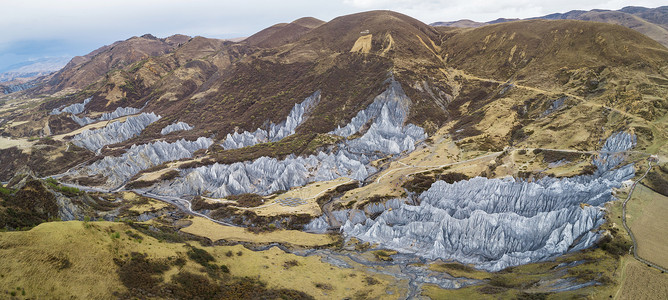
{"x": 363, "y": 44}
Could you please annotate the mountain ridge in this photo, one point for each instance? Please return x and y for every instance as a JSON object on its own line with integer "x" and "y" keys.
{"x": 652, "y": 22}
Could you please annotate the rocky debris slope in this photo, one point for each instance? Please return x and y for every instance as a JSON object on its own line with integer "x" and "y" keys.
{"x": 118, "y": 170}
{"x": 386, "y": 135}
{"x": 496, "y": 223}
{"x": 74, "y": 109}
{"x": 276, "y": 132}
{"x": 180, "y": 126}
{"x": 115, "y": 132}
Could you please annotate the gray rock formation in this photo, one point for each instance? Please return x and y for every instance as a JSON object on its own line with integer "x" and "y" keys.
{"x": 386, "y": 135}
{"x": 119, "y": 112}
{"x": 140, "y": 157}
{"x": 115, "y": 132}
{"x": 496, "y": 223}
{"x": 276, "y": 132}
{"x": 175, "y": 127}
{"x": 352, "y": 216}
{"x": 387, "y": 132}
{"x": 264, "y": 175}
{"x": 67, "y": 210}
{"x": 74, "y": 109}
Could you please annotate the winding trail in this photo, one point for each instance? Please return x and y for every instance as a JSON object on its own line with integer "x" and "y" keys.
{"x": 633, "y": 238}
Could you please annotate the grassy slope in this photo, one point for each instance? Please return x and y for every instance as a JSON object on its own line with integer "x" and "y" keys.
{"x": 76, "y": 260}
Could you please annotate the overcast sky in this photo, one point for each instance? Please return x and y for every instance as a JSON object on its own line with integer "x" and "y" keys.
{"x": 32, "y": 29}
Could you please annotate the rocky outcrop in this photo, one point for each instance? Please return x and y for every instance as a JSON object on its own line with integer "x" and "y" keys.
{"x": 386, "y": 116}
{"x": 276, "y": 132}
{"x": 496, "y": 223}
{"x": 265, "y": 175}
{"x": 118, "y": 170}
{"x": 119, "y": 112}
{"x": 73, "y": 109}
{"x": 175, "y": 127}
{"x": 115, "y": 132}
{"x": 386, "y": 135}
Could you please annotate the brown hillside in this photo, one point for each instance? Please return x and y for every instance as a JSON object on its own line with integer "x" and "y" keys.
{"x": 525, "y": 49}
{"x": 82, "y": 71}
{"x": 391, "y": 33}
{"x": 283, "y": 33}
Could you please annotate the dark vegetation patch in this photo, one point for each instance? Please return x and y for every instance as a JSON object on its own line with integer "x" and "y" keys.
{"x": 31, "y": 205}
{"x": 551, "y": 156}
{"x": 422, "y": 181}
{"x": 140, "y": 273}
{"x": 339, "y": 190}
{"x": 374, "y": 199}
{"x": 256, "y": 224}
{"x": 65, "y": 190}
{"x": 59, "y": 262}
{"x": 290, "y": 263}
{"x": 247, "y": 199}
{"x": 143, "y": 277}
{"x": 657, "y": 179}
{"x": 199, "y": 203}
{"x": 614, "y": 243}
{"x": 41, "y": 160}
{"x": 477, "y": 94}
{"x": 429, "y": 112}
{"x": 384, "y": 255}
{"x": 324, "y": 286}
{"x": 370, "y": 280}
{"x": 298, "y": 144}
{"x": 457, "y": 267}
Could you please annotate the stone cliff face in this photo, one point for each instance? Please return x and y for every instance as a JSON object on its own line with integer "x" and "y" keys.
{"x": 496, "y": 223}
{"x": 119, "y": 169}
{"x": 386, "y": 135}
{"x": 115, "y": 132}
{"x": 387, "y": 132}
{"x": 276, "y": 132}
{"x": 74, "y": 109}
{"x": 265, "y": 175}
{"x": 180, "y": 126}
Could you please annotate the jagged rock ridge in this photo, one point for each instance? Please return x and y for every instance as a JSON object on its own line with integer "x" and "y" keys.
{"x": 74, "y": 109}
{"x": 180, "y": 126}
{"x": 496, "y": 223}
{"x": 113, "y": 133}
{"x": 119, "y": 112}
{"x": 140, "y": 157}
{"x": 276, "y": 132}
{"x": 386, "y": 135}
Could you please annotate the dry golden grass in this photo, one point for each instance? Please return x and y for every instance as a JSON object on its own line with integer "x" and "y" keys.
{"x": 34, "y": 261}
{"x": 23, "y": 144}
{"x": 641, "y": 282}
{"x": 92, "y": 126}
{"x": 270, "y": 266}
{"x": 309, "y": 193}
{"x": 646, "y": 215}
{"x": 215, "y": 232}
{"x": 146, "y": 205}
